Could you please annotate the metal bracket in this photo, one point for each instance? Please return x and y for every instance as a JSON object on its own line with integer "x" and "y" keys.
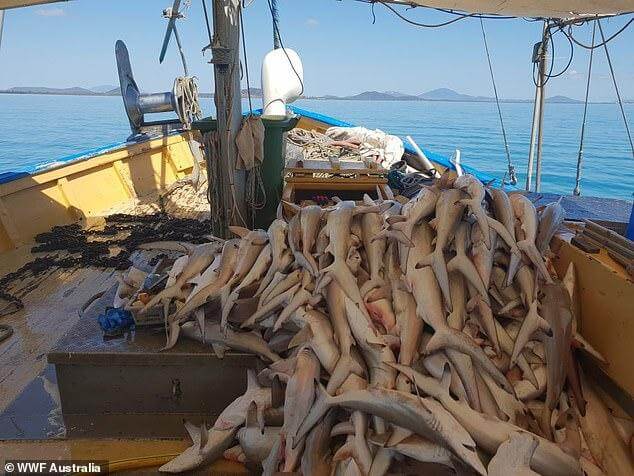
{"x": 538, "y": 51}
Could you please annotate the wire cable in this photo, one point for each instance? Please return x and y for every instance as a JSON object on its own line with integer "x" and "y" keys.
{"x": 246, "y": 62}
{"x": 511, "y": 168}
{"x": 577, "y": 189}
{"x": 604, "y": 41}
{"x": 279, "y": 35}
{"x": 207, "y": 21}
{"x": 426, "y": 25}
{"x": 616, "y": 86}
{"x": 570, "y": 57}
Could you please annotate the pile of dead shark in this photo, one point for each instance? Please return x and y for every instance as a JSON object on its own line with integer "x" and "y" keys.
{"x": 395, "y": 333}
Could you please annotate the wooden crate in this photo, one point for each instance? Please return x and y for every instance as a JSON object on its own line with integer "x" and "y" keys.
{"x": 350, "y": 180}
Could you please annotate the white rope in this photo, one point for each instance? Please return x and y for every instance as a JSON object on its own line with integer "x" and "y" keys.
{"x": 186, "y": 94}
{"x": 318, "y": 146}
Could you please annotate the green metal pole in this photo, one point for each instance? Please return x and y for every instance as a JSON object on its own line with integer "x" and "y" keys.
{"x": 273, "y": 167}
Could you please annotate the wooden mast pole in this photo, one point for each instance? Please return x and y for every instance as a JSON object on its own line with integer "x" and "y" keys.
{"x": 226, "y": 61}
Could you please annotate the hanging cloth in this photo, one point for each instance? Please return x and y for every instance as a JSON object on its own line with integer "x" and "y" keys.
{"x": 250, "y": 143}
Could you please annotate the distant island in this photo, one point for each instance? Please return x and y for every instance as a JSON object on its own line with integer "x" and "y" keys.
{"x": 440, "y": 94}
{"x": 104, "y": 90}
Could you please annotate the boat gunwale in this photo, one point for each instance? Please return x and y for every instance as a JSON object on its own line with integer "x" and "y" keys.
{"x": 86, "y": 155}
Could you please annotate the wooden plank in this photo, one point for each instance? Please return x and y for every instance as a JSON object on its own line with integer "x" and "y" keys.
{"x": 606, "y": 299}
{"x": 50, "y": 175}
{"x": 125, "y": 179}
{"x": 73, "y": 204}
{"x": 336, "y": 180}
{"x": 9, "y": 225}
{"x": 325, "y": 165}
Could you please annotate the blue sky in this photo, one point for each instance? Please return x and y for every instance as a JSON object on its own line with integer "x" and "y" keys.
{"x": 71, "y": 44}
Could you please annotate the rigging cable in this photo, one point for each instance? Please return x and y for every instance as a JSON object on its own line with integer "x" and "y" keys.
{"x": 246, "y": 63}
{"x": 604, "y": 41}
{"x": 255, "y": 192}
{"x": 577, "y": 189}
{"x": 276, "y": 22}
{"x": 426, "y": 25}
{"x": 616, "y": 87}
{"x": 207, "y": 21}
{"x": 207, "y": 142}
{"x": 276, "y": 27}
{"x": 548, "y": 36}
{"x": 461, "y": 16}
{"x": 511, "y": 168}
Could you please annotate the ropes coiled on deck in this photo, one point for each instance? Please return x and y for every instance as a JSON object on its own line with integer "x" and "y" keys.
{"x": 318, "y": 146}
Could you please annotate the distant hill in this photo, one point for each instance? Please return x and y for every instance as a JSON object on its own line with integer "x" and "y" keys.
{"x": 379, "y": 96}
{"x": 76, "y": 91}
{"x": 562, "y": 99}
{"x": 440, "y": 94}
{"x": 104, "y": 88}
{"x": 445, "y": 94}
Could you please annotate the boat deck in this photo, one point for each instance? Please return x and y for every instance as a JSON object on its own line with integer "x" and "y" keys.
{"x": 30, "y": 406}
{"x": 51, "y": 301}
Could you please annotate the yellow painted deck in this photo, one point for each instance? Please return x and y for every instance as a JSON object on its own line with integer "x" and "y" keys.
{"x": 88, "y": 188}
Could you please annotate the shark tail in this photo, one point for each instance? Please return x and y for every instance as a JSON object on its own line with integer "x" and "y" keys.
{"x": 437, "y": 262}
{"x": 459, "y": 341}
{"x": 464, "y": 266}
{"x": 514, "y": 264}
{"x": 344, "y": 367}
{"x": 320, "y": 407}
{"x": 203, "y": 451}
{"x": 464, "y": 367}
{"x": 269, "y": 307}
{"x": 313, "y": 267}
{"x": 340, "y": 272}
{"x": 510, "y": 306}
{"x": 166, "y": 293}
{"x": 481, "y": 218}
{"x": 531, "y": 251}
{"x": 531, "y": 324}
{"x": 488, "y": 323}
{"x": 268, "y": 279}
{"x": 357, "y": 449}
{"x": 227, "y": 300}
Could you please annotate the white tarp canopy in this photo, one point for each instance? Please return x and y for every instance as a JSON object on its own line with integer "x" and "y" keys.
{"x": 4, "y": 4}
{"x": 530, "y": 8}
{"x": 517, "y": 8}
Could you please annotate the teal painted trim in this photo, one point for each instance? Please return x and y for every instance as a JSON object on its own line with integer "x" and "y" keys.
{"x": 331, "y": 121}
{"x": 78, "y": 157}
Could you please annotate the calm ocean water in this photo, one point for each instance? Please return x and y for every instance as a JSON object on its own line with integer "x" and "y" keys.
{"x": 41, "y": 129}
